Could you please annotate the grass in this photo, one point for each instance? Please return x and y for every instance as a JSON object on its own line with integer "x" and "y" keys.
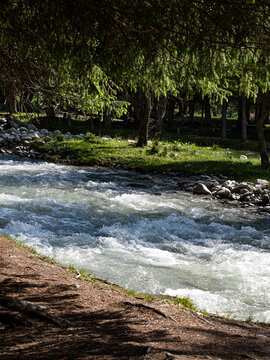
{"x": 186, "y": 158}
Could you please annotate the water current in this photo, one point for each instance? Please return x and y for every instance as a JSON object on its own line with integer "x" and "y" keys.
{"x": 140, "y": 232}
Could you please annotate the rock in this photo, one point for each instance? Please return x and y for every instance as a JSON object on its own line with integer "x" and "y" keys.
{"x": 262, "y": 183}
{"x": 205, "y": 177}
{"x": 44, "y": 131}
{"x": 230, "y": 184}
{"x": 243, "y": 157}
{"x": 57, "y": 132}
{"x": 246, "y": 196}
{"x": 224, "y": 193}
{"x": 242, "y": 186}
{"x": 265, "y": 209}
{"x": 32, "y": 127}
{"x": 36, "y": 135}
{"x": 201, "y": 189}
{"x": 257, "y": 190}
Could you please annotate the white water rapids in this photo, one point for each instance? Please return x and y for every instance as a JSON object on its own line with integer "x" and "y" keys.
{"x": 151, "y": 238}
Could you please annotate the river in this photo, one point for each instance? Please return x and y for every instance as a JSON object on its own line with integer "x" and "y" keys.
{"x": 141, "y": 232}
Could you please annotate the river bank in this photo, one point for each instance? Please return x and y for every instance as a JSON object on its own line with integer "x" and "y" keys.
{"x": 93, "y": 320}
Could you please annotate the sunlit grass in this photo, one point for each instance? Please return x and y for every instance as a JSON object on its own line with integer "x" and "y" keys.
{"x": 162, "y": 156}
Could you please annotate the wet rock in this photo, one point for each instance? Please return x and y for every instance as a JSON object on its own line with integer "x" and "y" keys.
{"x": 265, "y": 209}
{"x": 224, "y": 193}
{"x": 202, "y": 189}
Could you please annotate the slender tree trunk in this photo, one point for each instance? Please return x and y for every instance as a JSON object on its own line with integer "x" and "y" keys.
{"x": 170, "y": 109}
{"x": 207, "y": 108}
{"x": 242, "y": 117}
{"x": 224, "y": 118}
{"x": 263, "y": 112}
{"x": 107, "y": 120}
{"x": 248, "y": 110}
{"x": 161, "y": 112}
{"x": 50, "y": 113}
{"x": 11, "y": 99}
{"x": 191, "y": 108}
{"x": 143, "y": 112}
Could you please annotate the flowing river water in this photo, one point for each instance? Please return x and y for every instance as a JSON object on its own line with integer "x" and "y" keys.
{"x": 140, "y": 232}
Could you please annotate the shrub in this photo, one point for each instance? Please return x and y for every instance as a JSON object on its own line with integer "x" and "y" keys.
{"x": 89, "y": 136}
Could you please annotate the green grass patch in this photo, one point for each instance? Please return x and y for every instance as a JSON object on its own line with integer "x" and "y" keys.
{"x": 185, "y": 158}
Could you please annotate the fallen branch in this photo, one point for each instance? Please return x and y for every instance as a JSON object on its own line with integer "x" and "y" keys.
{"x": 35, "y": 310}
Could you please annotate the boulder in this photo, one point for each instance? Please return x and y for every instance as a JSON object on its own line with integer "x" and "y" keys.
{"x": 224, "y": 193}
{"x": 57, "y": 132}
{"x": 261, "y": 183}
{"x": 201, "y": 189}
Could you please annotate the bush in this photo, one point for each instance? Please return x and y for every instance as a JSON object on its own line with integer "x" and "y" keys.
{"x": 89, "y": 136}
{"x": 60, "y": 137}
{"x": 155, "y": 149}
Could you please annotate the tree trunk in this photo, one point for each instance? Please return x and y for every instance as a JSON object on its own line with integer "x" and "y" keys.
{"x": 263, "y": 112}
{"x": 161, "y": 112}
{"x": 107, "y": 121}
{"x": 11, "y": 99}
{"x": 248, "y": 110}
{"x": 207, "y": 109}
{"x": 170, "y": 109}
{"x": 224, "y": 118}
{"x": 242, "y": 117}
{"x": 50, "y": 113}
{"x": 191, "y": 109}
{"x": 143, "y": 111}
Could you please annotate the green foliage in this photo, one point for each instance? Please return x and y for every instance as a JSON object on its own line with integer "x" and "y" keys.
{"x": 185, "y": 302}
{"x": 155, "y": 149}
{"x": 89, "y": 136}
{"x": 60, "y": 137}
{"x": 250, "y": 319}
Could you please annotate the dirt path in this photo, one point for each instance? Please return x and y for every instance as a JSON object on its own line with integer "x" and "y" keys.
{"x": 88, "y": 320}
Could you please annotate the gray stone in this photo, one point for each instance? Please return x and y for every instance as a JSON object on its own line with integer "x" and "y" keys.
{"x": 57, "y": 132}
{"x": 32, "y": 127}
{"x": 230, "y": 184}
{"x": 44, "y": 131}
{"x": 242, "y": 186}
{"x": 202, "y": 189}
{"x": 257, "y": 190}
{"x": 262, "y": 183}
{"x": 224, "y": 193}
{"x": 243, "y": 157}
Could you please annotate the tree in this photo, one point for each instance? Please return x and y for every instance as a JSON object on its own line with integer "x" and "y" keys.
{"x": 150, "y": 45}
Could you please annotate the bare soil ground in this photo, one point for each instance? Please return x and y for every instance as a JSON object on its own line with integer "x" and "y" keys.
{"x": 48, "y": 313}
